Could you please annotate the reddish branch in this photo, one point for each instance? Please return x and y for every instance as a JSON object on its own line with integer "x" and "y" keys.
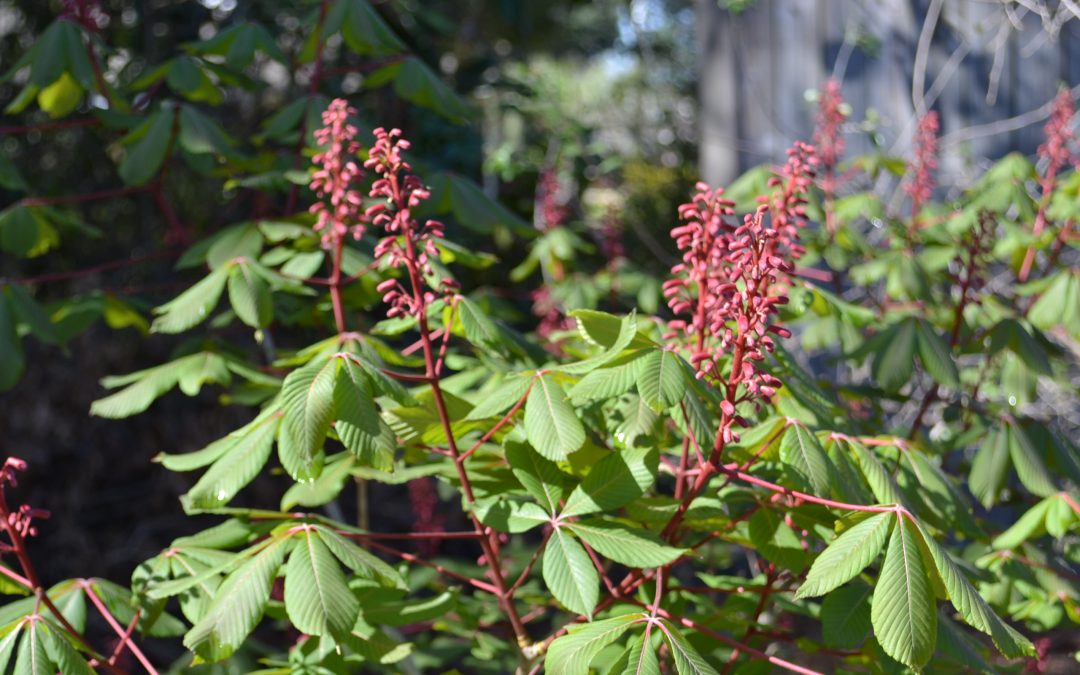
{"x": 976, "y": 247}
{"x": 1055, "y": 152}
{"x": 18, "y": 525}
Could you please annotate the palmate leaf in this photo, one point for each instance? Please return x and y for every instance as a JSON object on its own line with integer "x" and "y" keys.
{"x": 1030, "y": 467}
{"x": 191, "y": 307}
{"x": 147, "y": 154}
{"x": 904, "y": 611}
{"x": 776, "y": 541}
{"x": 145, "y": 386}
{"x": 990, "y": 467}
{"x": 540, "y": 477}
{"x": 550, "y": 423}
{"x": 936, "y": 357}
{"x": 479, "y": 329}
{"x": 847, "y": 556}
{"x": 616, "y": 480}
{"x": 569, "y": 573}
{"x": 317, "y": 596}
{"x": 507, "y": 515}
{"x": 307, "y": 399}
{"x": 660, "y": 381}
{"x": 1031, "y": 524}
{"x": 63, "y": 654}
{"x": 639, "y": 659}
{"x": 362, "y": 563}
{"x": 687, "y": 659}
{"x": 8, "y": 643}
{"x": 572, "y": 653}
{"x": 249, "y": 294}
{"x": 626, "y": 545}
{"x": 608, "y": 382}
{"x": 32, "y": 657}
{"x": 845, "y": 616}
{"x": 805, "y": 459}
{"x": 358, "y": 424}
{"x": 971, "y": 606}
{"x": 238, "y": 605}
{"x": 894, "y": 352}
{"x": 242, "y": 460}
{"x": 501, "y": 399}
{"x": 605, "y": 330}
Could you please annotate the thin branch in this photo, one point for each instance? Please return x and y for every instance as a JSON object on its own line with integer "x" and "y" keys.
{"x": 88, "y": 588}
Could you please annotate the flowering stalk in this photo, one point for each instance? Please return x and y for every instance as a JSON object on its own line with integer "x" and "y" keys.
{"x": 410, "y": 245}
{"x": 726, "y": 284}
{"x": 338, "y": 213}
{"x": 787, "y": 206}
{"x": 970, "y": 278}
{"x": 923, "y": 164}
{"x": 18, "y": 526}
{"x": 829, "y": 141}
{"x": 1055, "y": 153}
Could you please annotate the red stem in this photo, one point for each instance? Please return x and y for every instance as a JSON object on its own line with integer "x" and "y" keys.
{"x": 115, "y": 625}
{"x": 103, "y": 267}
{"x": 499, "y": 425}
{"x": 85, "y": 197}
{"x": 410, "y": 535}
{"x": 410, "y": 558}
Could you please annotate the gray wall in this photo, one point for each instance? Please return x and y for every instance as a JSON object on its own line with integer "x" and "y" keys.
{"x": 757, "y": 65}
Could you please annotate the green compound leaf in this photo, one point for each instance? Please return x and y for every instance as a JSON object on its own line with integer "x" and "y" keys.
{"x": 241, "y": 461}
{"x": 572, "y": 653}
{"x": 803, "y": 456}
{"x": 191, "y": 307}
{"x": 550, "y": 423}
{"x": 626, "y": 545}
{"x": 661, "y": 382}
{"x": 936, "y": 357}
{"x": 308, "y": 403}
{"x": 847, "y": 556}
{"x": 687, "y": 660}
{"x": 616, "y": 480}
{"x": 238, "y": 605}
{"x": 540, "y": 477}
{"x": 971, "y": 606}
{"x": 249, "y": 295}
{"x": 317, "y": 596}
{"x": 904, "y": 610}
{"x": 845, "y": 616}
{"x": 569, "y": 573}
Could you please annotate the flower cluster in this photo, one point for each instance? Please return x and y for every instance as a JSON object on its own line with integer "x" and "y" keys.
{"x": 724, "y": 284}
{"x": 86, "y": 13}
{"x": 828, "y": 138}
{"x": 924, "y": 162}
{"x": 701, "y": 278}
{"x": 407, "y": 243}
{"x": 552, "y": 211}
{"x": 424, "y": 500}
{"x": 20, "y": 522}
{"x": 787, "y": 206}
{"x": 1055, "y": 151}
{"x": 339, "y": 212}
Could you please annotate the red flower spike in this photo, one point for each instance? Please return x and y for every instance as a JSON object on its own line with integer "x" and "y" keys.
{"x": 828, "y": 137}
{"x": 407, "y": 243}
{"x": 339, "y": 213}
{"x": 1055, "y": 151}
{"x": 924, "y": 163}
{"x": 787, "y": 206}
{"x": 725, "y": 288}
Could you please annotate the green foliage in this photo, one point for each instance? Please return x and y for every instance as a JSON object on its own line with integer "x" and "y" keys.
{"x": 566, "y": 481}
